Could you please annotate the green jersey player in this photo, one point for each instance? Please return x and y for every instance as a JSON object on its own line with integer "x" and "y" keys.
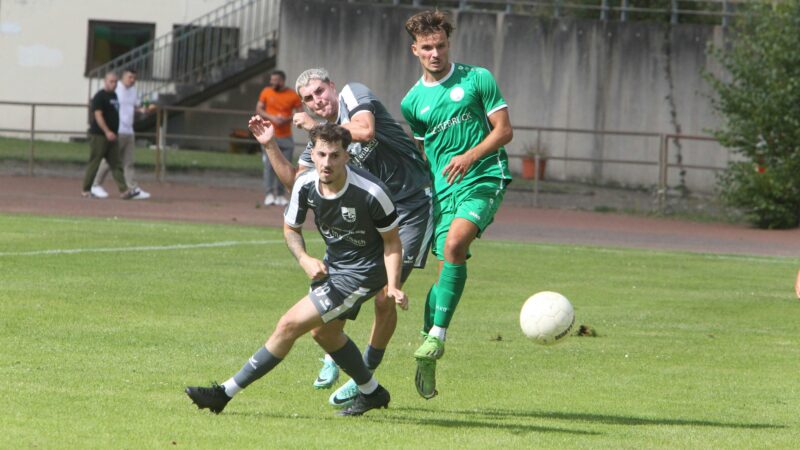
{"x": 460, "y": 120}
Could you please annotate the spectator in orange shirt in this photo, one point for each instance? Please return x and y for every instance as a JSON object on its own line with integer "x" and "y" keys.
{"x": 277, "y": 103}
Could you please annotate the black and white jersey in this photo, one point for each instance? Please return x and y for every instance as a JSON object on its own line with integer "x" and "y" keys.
{"x": 390, "y": 155}
{"x": 350, "y": 222}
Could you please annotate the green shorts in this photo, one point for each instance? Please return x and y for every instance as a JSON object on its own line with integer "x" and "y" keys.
{"x": 477, "y": 203}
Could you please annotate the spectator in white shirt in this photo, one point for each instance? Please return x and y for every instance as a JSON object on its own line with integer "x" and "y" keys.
{"x": 128, "y": 106}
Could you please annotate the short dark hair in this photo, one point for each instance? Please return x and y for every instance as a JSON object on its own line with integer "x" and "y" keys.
{"x": 279, "y": 73}
{"x": 129, "y": 69}
{"x": 330, "y": 132}
{"x": 427, "y": 23}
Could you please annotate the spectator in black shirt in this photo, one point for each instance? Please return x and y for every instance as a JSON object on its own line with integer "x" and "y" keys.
{"x": 103, "y": 139}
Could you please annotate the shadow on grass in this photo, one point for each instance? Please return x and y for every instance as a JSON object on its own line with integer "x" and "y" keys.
{"x": 460, "y": 422}
{"x": 601, "y": 418}
{"x": 456, "y": 422}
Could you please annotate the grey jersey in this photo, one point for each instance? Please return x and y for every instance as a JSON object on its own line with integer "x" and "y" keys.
{"x": 390, "y": 155}
{"x": 350, "y": 222}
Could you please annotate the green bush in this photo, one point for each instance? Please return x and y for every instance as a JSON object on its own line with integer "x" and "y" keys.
{"x": 770, "y": 197}
{"x": 759, "y": 101}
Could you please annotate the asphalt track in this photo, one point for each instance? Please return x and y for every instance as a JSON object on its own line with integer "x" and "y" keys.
{"x": 197, "y": 202}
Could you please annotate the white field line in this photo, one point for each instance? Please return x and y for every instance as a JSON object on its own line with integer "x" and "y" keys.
{"x": 620, "y": 251}
{"x": 148, "y": 248}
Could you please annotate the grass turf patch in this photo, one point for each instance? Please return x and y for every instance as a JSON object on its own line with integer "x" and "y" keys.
{"x": 52, "y": 153}
{"x": 104, "y": 322}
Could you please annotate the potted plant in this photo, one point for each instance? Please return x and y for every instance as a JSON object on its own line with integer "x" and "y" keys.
{"x": 534, "y": 162}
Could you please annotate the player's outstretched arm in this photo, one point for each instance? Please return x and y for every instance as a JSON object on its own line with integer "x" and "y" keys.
{"x": 501, "y": 134}
{"x": 393, "y": 259}
{"x": 361, "y": 126}
{"x": 314, "y": 268}
{"x": 304, "y": 121}
{"x": 264, "y": 133}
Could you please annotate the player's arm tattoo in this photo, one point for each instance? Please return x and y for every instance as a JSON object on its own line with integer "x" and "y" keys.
{"x": 295, "y": 242}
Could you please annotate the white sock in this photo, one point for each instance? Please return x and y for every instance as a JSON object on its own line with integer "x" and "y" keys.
{"x": 369, "y": 387}
{"x": 328, "y": 358}
{"x": 438, "y": 332}
{"x": 231, "y": 388}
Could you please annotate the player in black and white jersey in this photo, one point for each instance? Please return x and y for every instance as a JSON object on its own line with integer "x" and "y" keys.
{"x": 385, "y": 150}
{"x": 356, "y": 217}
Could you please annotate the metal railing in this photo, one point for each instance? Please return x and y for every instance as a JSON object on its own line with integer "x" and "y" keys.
{"x": 674, "y": 11}
{"x": 660, "y": 154}
{"x": 32, "y": 131}
{"x": 661, "y": 160}
{"x": 190, "y": 57}
{"x": 161, "y": 135}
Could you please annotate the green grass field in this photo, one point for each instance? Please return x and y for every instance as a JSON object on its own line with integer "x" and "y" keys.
{"x": 60, "y": 153}
{"x": 104, "y": 322}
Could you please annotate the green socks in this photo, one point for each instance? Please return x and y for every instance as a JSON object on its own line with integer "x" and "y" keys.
{"x": 430, "y": 308}
{"x": 447, "y": 293}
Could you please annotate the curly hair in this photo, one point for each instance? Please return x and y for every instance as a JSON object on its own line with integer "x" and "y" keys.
{"x": 330, "y": 132}
{"x": 427, "y": 23}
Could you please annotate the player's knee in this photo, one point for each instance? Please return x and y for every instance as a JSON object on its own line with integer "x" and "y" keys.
{"x": 455, "y": 251}
{"x": 384, "y": 305}
{"x": 317, "y": 335}
{"x": 323, "y": 333}
{"x": 288, "y": 328}
{"x": 328, "y": 338}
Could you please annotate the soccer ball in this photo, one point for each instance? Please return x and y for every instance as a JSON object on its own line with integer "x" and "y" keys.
{"x": 547, "y": 317}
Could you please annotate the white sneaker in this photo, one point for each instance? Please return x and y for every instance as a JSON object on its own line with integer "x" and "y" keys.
{"x": 141, "y": 195}
{"x": 281, "y": 201}
{"x": 269, "y": 200}
{"x": 99, "y": 192}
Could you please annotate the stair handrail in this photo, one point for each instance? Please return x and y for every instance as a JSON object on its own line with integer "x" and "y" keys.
{"x": 154, "y": 58}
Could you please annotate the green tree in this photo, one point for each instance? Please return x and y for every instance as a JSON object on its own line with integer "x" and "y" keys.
{"x": 759, "y": 101}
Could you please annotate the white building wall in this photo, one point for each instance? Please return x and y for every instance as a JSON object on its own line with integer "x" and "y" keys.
{"x": 43, "y": 45}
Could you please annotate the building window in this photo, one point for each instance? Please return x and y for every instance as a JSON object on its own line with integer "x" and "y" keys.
{"x": 108, "y": 40}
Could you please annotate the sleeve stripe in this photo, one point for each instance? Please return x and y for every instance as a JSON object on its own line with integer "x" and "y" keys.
{"x": 293, "y": 225}
{"x": 349, "y": 98}
{"x": 362, "y": 110}
{"x": 290, "y": 215}
{"x": 496, "y": 109}
{"x": 393, "y": 225}
{"x": 376, "y": 191}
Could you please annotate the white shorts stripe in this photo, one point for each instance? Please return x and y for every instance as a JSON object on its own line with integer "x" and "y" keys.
{"x": 346, "y": 305}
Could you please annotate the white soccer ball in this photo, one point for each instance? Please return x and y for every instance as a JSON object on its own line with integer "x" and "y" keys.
{"x": 547, "y": 317}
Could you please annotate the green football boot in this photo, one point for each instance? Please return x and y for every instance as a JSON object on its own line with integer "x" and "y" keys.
{"x": 425, "y": 379}
{"x": 431, "y": 349}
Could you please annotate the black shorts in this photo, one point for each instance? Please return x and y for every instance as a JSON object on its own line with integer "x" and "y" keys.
{"x": 337, "y": 297}
{"x": 415, "y": 229}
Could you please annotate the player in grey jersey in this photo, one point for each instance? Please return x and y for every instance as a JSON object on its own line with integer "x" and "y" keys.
{"x": 355, "y": 215}
{"x": 383, "y": 148}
